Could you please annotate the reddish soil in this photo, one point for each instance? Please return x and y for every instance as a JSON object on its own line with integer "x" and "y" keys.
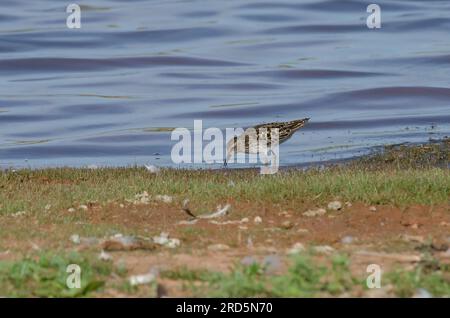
{"x": 390, "y": 236}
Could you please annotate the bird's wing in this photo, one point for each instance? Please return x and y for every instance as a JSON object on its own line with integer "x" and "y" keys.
{"x": 286, "y": 129}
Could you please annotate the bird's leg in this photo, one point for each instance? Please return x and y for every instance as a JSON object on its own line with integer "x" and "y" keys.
{"x": 225, "y": 164}
{"x": 264, "y": 158}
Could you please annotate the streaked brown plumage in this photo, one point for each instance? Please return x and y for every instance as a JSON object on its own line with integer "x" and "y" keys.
{"x": 285, "y": 130}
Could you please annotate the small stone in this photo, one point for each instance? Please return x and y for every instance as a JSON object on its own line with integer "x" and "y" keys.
{"x": 348, "y": 204}
{"x": 335, "y": 205}
{"x": 347, "y": 239}
{"x": 173, "y": 243}
{"x": 19, "y": 213}
{"x": 257, "y": 219}
{"x": 83, "y": 207}
{"x": 243, "y": 228}
{"x": 287, "y": 225}
{"x": 71, "y": 210}
{"x": 323, "y": 249}
{"x": 302, "y": 231}
{"x": 142, "y": 279}
{"x": 104, "y": 256}
{"x": 75, "y": 238}
{"x": 271, "y": 263}
{"x": 121, "y": 205}
{"x": 244, "y": 220}
{"x": 218, "y": 247}
{"x": 372, "y": 209}
{"x": 315, "y": 212}
{"x": 162, "y": 239}
{"x": 297, "y": 248}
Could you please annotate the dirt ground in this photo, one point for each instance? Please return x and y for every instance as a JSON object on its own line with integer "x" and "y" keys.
{"x": 389, "y": 236}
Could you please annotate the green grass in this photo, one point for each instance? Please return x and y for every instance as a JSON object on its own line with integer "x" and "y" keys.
{"x": 306, "y": 278}
{"x": 398, "y": 175}
{"x": 432, "y": 276}
{"x": 46, "y": 276}
{"x": 23, "y": 190}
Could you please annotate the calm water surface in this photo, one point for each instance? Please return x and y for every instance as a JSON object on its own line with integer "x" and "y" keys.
{"x": 109, "y": 93}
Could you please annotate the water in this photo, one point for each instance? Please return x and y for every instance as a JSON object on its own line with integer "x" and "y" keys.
{"x": 109, "y": 93}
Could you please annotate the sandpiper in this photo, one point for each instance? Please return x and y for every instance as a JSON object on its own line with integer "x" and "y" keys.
{"x": 248, "y": 141}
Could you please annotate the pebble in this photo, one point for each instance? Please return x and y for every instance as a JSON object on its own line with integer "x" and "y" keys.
{"x": 244, "y": 220}
{"x": 302, "y": 231}
{"x": 163, "y": 239}
{"x": 335, "y": 205}
{"x": 164, "y": 198}
{"x": 257, "y": 219}
{"x": 218, "y": 247}
{"x": 75, "y": 238}
{"x": 348, "y": 204}
{"x": 287, "y": 225}
{"x": 19, "y": 213}
{"x": 347, "y": 239}
{"x": 315, "y": 212}
{"x": 323, "y": 249}
{"x": 142, "y": 198}
{"x": 71, "y": 210}
{"x": 297, "y": 248}
{"x": 142, "y": 279}
{"x": 372, "y": 209}
{"x": 83, "y": 207}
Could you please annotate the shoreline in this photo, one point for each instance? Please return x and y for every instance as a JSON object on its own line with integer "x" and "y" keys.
{"x": 298, "y": 233}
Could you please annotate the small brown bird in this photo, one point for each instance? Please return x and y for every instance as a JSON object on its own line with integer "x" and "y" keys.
{"x": 248, "y": 141}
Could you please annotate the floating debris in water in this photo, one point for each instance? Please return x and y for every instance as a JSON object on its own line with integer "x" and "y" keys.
{"x": 75, "y": 238}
